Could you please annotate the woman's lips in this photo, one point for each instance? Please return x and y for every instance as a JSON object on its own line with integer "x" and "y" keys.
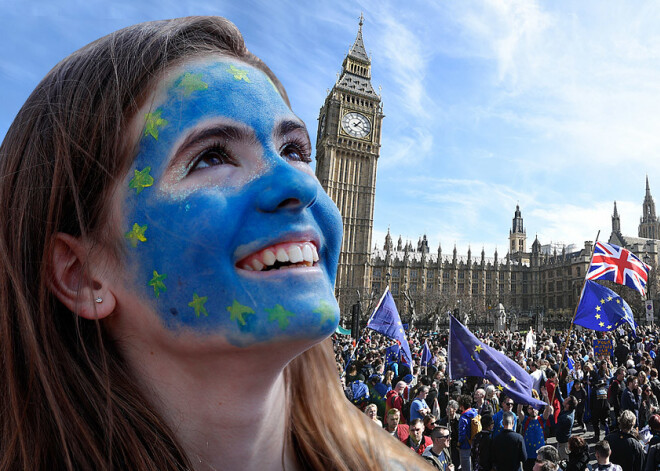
{"x": 285, "y": 255}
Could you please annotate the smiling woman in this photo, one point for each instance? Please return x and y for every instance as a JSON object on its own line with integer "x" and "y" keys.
{"x": 168, "y": 262}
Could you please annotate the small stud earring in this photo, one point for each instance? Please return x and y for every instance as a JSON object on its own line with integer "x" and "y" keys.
{"x": 99, "y": 299}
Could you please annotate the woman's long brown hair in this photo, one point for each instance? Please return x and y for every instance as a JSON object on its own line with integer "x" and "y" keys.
{"x": 67, "y": 399}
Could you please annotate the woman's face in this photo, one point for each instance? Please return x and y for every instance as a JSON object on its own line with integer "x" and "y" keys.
{"x": 228, "y": 231}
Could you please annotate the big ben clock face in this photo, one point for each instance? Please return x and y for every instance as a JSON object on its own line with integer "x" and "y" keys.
{"x": 356, "y": 124}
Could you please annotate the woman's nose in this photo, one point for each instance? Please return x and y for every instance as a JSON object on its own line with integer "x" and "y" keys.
{"x": 285, "y": 187}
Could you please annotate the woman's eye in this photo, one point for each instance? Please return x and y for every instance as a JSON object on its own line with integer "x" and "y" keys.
{"x": 296, "y": 152}
{"x": 211, "y": 158}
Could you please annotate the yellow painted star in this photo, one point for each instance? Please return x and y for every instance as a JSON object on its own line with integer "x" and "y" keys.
{"x": 609, "y": 326}
{"x": 618, "y": 301}
{"x": 609, "y": 298}
{"x": 597, "y": 316}
{"x": 157, "y": 283}
{"x": 153, "y": 122}
{"x": 327, "y": 311}
{"x": 602, "y": 301}
{"x": 602, "y": 324}
{"x": 136, "y": 235}
{"x": 597, "y": 308}
{"x": 478, "y": 348}
{"x": 237, "y": 311}
{"x": 191, "y": 83}
{"x": 141, "y": 180}
{"x": 198, "y": 304}
{"x": 279, "y": 314}
{"x": 239, "y": 74}
{"x": 500, "y": 387}
{"x": 513, "y": 379}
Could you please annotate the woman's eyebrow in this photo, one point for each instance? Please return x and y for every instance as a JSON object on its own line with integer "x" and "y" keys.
{"x": 228, "y": 132}
{"x": 288, "y": 126}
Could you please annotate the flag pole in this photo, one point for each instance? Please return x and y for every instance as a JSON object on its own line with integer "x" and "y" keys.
{"x": 570, "y": 329}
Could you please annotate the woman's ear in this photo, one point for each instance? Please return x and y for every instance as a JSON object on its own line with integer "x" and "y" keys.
{"x": 91, "y": 296}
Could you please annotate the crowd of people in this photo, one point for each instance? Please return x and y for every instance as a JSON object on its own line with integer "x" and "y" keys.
{"x": 605, "y": 396}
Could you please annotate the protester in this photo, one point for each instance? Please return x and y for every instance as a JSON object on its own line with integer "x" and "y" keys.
{"x": 630, "y": 398}
{"x": 419, "y": 408}
{"x": 602, "y": 451}
{"x": 615, "y": 392}
{"x": 627, "y": 451}
{"x": 481, "y": 445}
{"x": 438, "y": 453}
{"x": 430, "y": 421}
{"x": 451, "y": 422}
{"x": 600, "y": 408}
{"x": 547, "y": 459}
{"x": 465, "y": 430}
{"x": 578, "y": 454}
{"x": 564, "y": 426}
{"x": 394, "y": 428}
{"x": 507, "y": 406}
{"x": 648, "y": 406}
{"x": 417, "y": 441}
{"x": 508, "y": 450}
{"x": 533, "y": 429}
{"x": 580, "y": 395}
{"x": 371, "y": 411}
{"x": 143, "y": 183}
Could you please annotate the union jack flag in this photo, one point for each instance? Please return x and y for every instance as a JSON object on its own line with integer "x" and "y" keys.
{"x": 619, "y": 265}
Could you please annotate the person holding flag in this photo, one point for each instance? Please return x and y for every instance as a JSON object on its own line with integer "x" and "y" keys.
{"x": 600, "y": 308}
{"x": 468, "y": 356}
{"x": 426, "y": 357}
{"x": 387, "y": 321}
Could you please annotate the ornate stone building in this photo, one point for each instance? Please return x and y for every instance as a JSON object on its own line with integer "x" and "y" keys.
{"x": 646, "y": 244}
{"x": 544, "y": 282}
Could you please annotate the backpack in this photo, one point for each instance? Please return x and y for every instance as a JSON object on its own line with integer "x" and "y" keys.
{"x": 405, "y": 410}
{"x": 360, "y": 393}
{"x": 475, "y": 428}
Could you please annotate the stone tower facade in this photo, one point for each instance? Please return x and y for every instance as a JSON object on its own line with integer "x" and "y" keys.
{"x": 347, "y": 150}
{"x": 518, "y": 238}
{"x": 649, "y": 225}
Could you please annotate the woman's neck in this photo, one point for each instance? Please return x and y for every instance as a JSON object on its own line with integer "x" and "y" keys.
{"x": 228, "y": 411}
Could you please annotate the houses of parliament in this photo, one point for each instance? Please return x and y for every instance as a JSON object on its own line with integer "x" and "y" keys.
{"x": 427, "y": 282}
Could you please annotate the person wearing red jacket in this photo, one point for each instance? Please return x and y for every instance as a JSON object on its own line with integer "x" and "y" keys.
{"x": 417, "y": 441}
{"x": 394, "y": 399}
{"x": 394, "y": 428}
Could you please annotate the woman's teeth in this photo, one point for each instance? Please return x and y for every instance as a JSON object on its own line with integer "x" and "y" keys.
{"x": 281, "y": 256}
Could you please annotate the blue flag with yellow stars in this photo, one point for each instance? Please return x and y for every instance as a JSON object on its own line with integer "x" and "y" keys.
{"x": 468, "y": 356}
{"x": 602, "y": 309}
{"x": 386, "y": 320}
{"x": 426, "y": 355}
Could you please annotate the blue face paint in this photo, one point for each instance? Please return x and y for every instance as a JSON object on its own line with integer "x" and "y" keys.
{"x": 216, "y": 186}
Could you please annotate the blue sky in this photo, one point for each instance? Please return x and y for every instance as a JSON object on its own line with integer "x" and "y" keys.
{"x": 552, "y": 105}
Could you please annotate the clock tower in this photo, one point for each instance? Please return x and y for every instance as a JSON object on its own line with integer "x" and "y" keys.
{"x": 347, "y": 150}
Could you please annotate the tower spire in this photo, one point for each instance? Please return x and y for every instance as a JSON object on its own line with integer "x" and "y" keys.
{"x": 616, "y": 221}
{"x": 358, "y": 51}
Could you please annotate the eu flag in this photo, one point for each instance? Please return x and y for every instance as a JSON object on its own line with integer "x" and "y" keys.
{"x": 392, "y": 353}
{"x": 426, "y": 355}
{"x": 602, "y": 309}
{"x": 468, "y": 356}
{"x": 386, "y": 320}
